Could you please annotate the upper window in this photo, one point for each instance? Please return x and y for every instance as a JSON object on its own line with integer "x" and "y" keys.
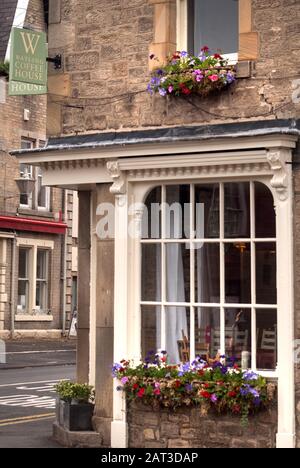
{"x": 39, "y": 199}
{"x": 214, "y": 23}
{"x": 209, "y": 272}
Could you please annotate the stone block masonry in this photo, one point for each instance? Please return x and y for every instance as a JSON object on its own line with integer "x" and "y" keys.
{"x": 187, "y": 428}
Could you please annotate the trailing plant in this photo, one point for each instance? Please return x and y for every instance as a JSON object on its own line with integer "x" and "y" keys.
{"x": 186, "y": 74}
{"x": 4, "y": 68}
{"x": 220, "y": 386}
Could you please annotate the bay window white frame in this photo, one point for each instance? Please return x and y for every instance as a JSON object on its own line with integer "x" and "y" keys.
{"x": 256, "y": 155}
{"x": 221, "y": 240}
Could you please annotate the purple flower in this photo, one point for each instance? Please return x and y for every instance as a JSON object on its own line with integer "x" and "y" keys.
{"x": 257, "y": 401}
{"x": 245, "y": 390}
{"x": 189, "y": 387}
{"x": 116, "y": 367}
{"x": 149, "y": 89}
{"x": 249, "y": 375}
{"x": 230, "y": 77}
{"x": 124, "y": 380}
{"x": 202, "y": 56}
{"x": 254, "y": 392}
{"x": 214, "y": 398}
{"x": 199, "y": 78}
{"x": 170, "y": 89}
{"x": 160, "y": 72}
{"x": 184, "y": 53}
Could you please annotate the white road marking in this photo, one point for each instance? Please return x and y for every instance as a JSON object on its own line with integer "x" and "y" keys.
{"x": 29, "y": 383}
{"x": 39, "y": 352}
{"x": 25, "y": 401}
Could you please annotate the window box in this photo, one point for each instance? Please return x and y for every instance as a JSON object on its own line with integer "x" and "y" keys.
{"x": 186, "y": 74}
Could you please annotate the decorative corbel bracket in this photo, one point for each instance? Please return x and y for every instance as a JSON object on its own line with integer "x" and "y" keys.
{"x": 119, "y": 181}
{"x": 278, "y": 159}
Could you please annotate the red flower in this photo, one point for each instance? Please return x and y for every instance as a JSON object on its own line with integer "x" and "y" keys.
{"x": 236, "y": 409}
{"x": 176, "y": 56}
{"x": 218, "y": 56}
{"x": 205, "y": 394}
{"x": 141, "y": 392}
{"x": 177, "y": 383}
{"x": 205, "y": 49}
{"x": 135, "y": 386}
{"x": 232, "y": 394}
{"x": 206, "y": 385}
{"x": 184, "y": 89}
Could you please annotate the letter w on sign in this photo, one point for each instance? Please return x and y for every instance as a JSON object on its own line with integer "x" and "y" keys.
{"x": 30, "y": 41}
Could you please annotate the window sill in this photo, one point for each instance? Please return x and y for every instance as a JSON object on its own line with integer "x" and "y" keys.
{"x": 37, "y": 213}
{"x": 33, "y": 318}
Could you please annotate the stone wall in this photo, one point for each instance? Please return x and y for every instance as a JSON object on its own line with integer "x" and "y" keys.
{"x": 187, "y": 428}
{"x": 106, "y": 45}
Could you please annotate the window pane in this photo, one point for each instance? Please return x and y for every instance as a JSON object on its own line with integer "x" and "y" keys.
{"x": 207, "y": 332}
{"x": 41, "y": 265}
{"x": 41, "y": 296}
{"x": 151, "y": 221}
{"x": 25, "y": 171}
{"x": 207, "y": 211}
{"x": 266, "y": 325}
{"x": 177, "y": 212}
{"x": 23, "y": 263}
{"x": 177, "y": 272}
{"x": 150, "y": 336}
{"x": 237, "y": 210}
{"x": 237, "y": 273}
{"x": 41, "y": 193}
{"x": 238, "y": 335}
{"x": 266, "y": 292}
{"x": 151, "y": 272}
{"x": 177, "y": 334}
{"x": 265, "y": 221}
{"x": 215, "y": 23}
{"x": 207, "y": 274}
{"x": 22, "y": 295}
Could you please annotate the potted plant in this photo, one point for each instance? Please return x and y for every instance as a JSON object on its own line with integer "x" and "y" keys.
{"x": 74, "y": 409}
{"x": 185, "y": 74}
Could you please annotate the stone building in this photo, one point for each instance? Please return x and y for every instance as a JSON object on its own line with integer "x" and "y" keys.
{"x": 235, "y": 152}
{"x": 36, "y": 239}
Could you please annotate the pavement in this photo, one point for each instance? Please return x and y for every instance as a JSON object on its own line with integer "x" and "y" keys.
{"x": 27, "y": 396}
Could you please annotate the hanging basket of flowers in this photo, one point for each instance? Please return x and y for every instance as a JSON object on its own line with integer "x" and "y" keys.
{"x": 185, "y": 74}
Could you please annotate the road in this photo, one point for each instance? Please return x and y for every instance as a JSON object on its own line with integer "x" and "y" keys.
{"x": 27, "y": 397}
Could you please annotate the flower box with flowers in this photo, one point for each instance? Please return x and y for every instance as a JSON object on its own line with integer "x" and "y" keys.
{"x": 186, "y": 74}
{"x": 220, "y": 387}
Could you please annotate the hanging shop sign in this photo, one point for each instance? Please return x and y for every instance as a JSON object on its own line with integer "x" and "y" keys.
{"x": 28, "y": 62}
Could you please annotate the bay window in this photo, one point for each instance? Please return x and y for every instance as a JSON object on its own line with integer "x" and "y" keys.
{"x": 209, "y": 272}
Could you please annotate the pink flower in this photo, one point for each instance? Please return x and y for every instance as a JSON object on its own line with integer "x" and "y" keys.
{"x": 213, "y": 77}
{"x": 157, "y": 391}
{"x": 170, "y": 89}
{"x": 157, "y": 385}
{"x": 124, "y": 380}
{"x": 199, "y": 77}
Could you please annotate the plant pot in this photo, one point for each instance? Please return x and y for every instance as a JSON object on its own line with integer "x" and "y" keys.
{"x": 74, "y": 417}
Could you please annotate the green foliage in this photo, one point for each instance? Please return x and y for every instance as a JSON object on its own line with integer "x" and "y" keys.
{"x": 185, "y": 74}
{"x": 4, "y": 68}
{"x": 70, "y": 391}
{"x": 221, "y": 387}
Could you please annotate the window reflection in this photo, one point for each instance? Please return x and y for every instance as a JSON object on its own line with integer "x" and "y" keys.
{"x": 207, "y": 275}
{"x": 207, "y": 332}
{"x": 237, "y": 210}
{"x": 237, "y": 273}
{"x": 238, "y": 336}
{"x": 266, "y": 353}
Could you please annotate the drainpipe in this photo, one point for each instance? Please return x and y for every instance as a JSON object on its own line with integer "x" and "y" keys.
{"x": 12, "y": 283}
{"x": 64, "y": 260}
